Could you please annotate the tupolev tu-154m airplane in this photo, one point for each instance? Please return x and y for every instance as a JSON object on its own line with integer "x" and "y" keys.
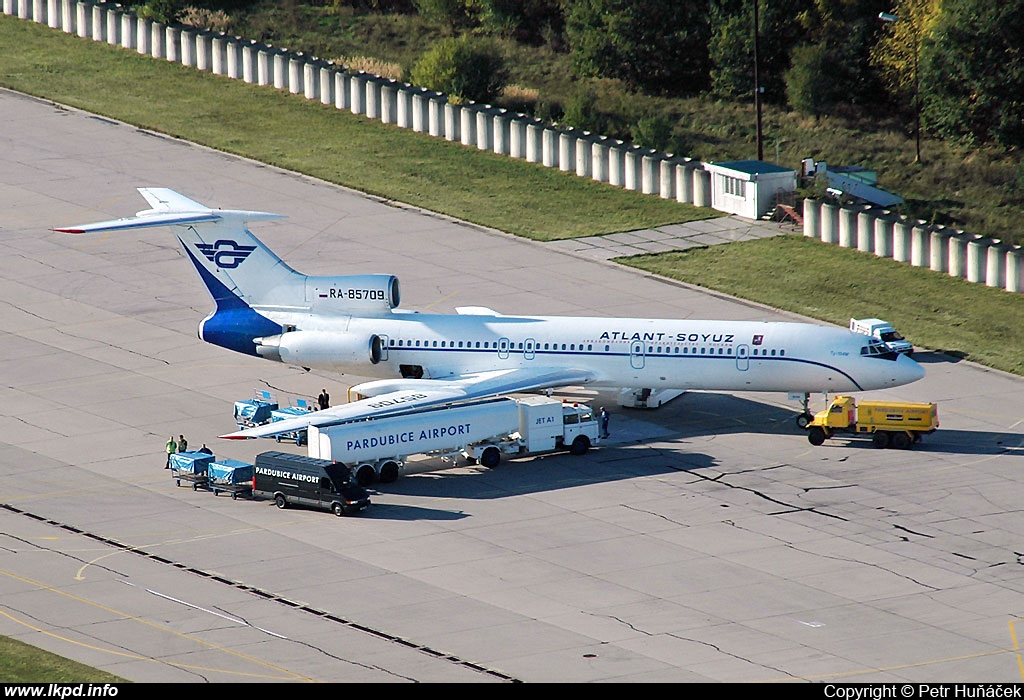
{"x": 352, "y": 323}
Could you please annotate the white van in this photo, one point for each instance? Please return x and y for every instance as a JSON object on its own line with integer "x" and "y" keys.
{"x": 882, "y": 330}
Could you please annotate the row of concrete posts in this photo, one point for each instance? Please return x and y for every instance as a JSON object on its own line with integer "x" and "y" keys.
{"x": 939, "y": 248}
{"x": 481, "y": 126}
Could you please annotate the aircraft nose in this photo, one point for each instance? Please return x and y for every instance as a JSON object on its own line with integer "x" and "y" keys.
{"x": 908, "y": 370}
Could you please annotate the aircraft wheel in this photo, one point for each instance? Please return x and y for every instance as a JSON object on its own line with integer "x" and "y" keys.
{"x": 580, "y": 445}
{"x": 880, "y": 439}
{"x": 803, "y": 420}
{"x": 491, "y": 457}
{"x": 816, "y": 436}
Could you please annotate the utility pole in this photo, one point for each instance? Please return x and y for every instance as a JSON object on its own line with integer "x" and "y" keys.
{"x": 757, "y": 86}
{"x": 888, "y": 17}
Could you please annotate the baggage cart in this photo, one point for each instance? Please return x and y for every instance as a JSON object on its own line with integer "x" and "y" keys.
{"x": 230, "y": 476}
{"x": 256, "y": 411}
{"x": 299, "y": 436}
{"x": 191, "y": 467}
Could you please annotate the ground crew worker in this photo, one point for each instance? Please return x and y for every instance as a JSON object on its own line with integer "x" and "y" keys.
{"x": 323, "y": 400}
{"x": 182, "y": 444}
{"x": 172, "y": 447}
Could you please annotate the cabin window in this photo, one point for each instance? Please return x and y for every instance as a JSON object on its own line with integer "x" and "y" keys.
{"x": 607, "y": 348}
{"x": 782, "y": 352}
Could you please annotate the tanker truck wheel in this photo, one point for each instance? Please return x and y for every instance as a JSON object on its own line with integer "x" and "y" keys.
{"x": 580, "y": 445}
{"x": 388, "y": 472}
{"x": 491, "y": 457}
{"x": 880, "y": 439}
{"x": 366, "y": 475}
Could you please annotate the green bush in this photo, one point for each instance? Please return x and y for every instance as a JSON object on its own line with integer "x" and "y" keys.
{"x": 462, "y": 67}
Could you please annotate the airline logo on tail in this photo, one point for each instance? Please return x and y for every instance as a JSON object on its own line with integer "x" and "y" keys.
{"x": 225, "y": 253}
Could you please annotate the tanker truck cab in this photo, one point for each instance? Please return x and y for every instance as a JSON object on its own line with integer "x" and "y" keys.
{"x": 316, "y": 483}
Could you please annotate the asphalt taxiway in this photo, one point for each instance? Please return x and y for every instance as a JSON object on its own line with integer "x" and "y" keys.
{"x": 706, "y": 541}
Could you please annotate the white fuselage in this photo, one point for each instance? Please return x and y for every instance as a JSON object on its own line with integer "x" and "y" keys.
{"x": 652, "y": 353}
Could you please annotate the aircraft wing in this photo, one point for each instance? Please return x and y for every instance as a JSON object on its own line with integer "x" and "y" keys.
{"x": 390, "y": 397}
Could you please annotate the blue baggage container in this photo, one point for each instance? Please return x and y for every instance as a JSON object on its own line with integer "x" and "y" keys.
{"x": 230, "y": 476}
{"x": 190, "y": 466}
{"x": 252, "y": 412}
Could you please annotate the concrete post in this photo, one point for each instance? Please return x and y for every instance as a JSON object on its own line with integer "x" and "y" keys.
{"x": 684, "y": 183}
{"x": 812, "y": 218}
{"x": 1015, "y": 269}
{"x": 403, "y": 106}
{"x": 901, "y": 243}
{"x": 883, "y": 235}
{"x": 866, "y": 231}
{"x": 920, "y": 245}
{"x": 372, "y": 96}
{"x": 995, "y": 264}
{"x": 172, "y": 42}
{"x": 250, "y": 61}
{"x": 157, "y": 40}
{"x": 219, "y": 54}
{"x": 53, "y": 14}
{"x": 389, "y": 102}
{"x": 632, "y": 165}
{"x": 204, "y": 51}
{"x": 650, "y": 173}
{"x": 233, "y": 57}
{"x": 829, "y": 223}
{"x": 848, "y": 226}
{"x": 567, "y": 150}
{"x": 264, "y": 65}
{"x": 534, "y": 142}
{"x": 342, "y": 86}
{"x": 939, "y": 250}
{"x": 957, "y": 266}
{"x": 281, "y": 61}
{"x": 599, "y": 159}
{"x": 502, "y": 132}
{"x": 129, "y": 30}
{"x": 452, "y": 121}
{"x": 977, "y": 259}
{"x": 326, "y": 80}
{"x": 467, "y": 126}
{"x": 435, "y": 114}
{"x": 549, "y": 147}
{"x": 99, "y": 22}
{"x": 583, "y": 154}
{"x": 701, "y": 188}
{"x": 143, "y": 34}
{"x": 311, "y": 79}
{"x": 485, "y": 128}
{"x": 420, "y": 111}
{"x": 667, "y": 178}
{"x": 187, "y": 46}
{"x": 517, "y": 137}
{"x": 68, "y": 15}
{"x": 113, "y": 24}
{"x": 357, "y": 92}
{"x": 617, "y": 164}
{"x": 83, "y": 20}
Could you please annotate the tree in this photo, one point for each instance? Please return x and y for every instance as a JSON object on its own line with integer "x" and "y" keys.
{"x": 972, "y": 72}
{"x": 462, "y": 67}
{"x": 659, "y": 46}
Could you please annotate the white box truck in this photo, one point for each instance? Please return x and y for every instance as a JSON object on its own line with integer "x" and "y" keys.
{"x": 884, "y": 331}
{"x": 481, "y": 431}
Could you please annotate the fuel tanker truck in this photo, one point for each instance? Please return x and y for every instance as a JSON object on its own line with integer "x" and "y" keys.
{"x": 482, "y": 432}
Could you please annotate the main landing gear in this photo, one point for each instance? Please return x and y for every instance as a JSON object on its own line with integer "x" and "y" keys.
{"x": 805, "y": 418}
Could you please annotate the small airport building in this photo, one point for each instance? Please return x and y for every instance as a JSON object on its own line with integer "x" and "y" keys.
{"x": 749, "y": 188}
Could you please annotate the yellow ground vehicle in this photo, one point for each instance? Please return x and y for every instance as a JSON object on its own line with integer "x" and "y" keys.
{"x": 888, "y": 423}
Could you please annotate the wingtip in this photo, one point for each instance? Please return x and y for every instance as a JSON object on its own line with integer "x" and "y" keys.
{"x": 68, "y": 230}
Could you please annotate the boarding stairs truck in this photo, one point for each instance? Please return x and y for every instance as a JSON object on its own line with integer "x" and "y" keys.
{"x": 887, "y": 423}
{"x": 480, "y": 431}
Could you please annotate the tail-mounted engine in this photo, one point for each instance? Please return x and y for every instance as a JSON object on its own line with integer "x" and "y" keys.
{"x": 321, "y": 349}
{"x": 358, "y": 295}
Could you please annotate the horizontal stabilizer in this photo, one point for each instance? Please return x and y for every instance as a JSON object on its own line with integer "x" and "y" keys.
{"x": 171, "y": 209}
